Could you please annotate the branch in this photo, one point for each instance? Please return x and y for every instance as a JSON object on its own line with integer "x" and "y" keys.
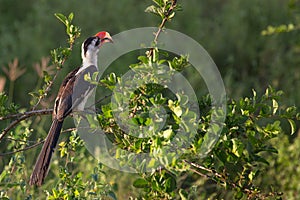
{"x": 204, "y": 168}
{"x": 99, "y": 101}
{"x": 20, "y": 150}
{"x": 30, "y": 113}
{"x": 252, "y": 193}
{"x": 167, "y": 14}
{"x": 21, "y": 117}
{"x": 162, "y": 25}
{"x": 55, "y": 75}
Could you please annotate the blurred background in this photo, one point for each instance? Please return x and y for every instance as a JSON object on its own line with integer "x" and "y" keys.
{"x": 230, "y": 31}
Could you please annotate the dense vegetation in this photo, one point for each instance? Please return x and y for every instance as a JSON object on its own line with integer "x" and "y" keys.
{"x": 255, "y": 45}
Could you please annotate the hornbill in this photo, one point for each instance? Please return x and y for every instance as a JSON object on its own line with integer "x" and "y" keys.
{"x": 72, "y": 95}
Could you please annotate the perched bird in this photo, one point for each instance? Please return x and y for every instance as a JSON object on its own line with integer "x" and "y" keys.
{"x": 72, "y": 95}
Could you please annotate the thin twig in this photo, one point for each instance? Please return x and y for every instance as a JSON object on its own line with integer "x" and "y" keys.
{"x": 54, "y": 77}
{"x": 32, "y": 146}
{"x": 22, "y": 117}
{"x": 69, "y": 130}
{"x": 100, "y": 100}
{"x": 30, "y": 113}
{"x": 19, "y": 140}
{"x": 19, "y": 150}
{"x": 251, "y": 193}
{"x": 204, "y": 168}
{"x": 162, "y": 25}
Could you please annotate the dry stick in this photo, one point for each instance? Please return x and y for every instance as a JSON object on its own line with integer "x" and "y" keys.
{"x": 23, "y": 116}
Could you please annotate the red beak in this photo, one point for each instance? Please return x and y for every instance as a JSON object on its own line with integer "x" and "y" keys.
{"x": 104, "y": 36}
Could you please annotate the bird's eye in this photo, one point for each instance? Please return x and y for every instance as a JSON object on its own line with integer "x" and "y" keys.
{"x": 97, "y": 42}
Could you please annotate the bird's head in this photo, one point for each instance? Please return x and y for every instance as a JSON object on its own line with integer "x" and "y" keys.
{"x": 91, "y": 45}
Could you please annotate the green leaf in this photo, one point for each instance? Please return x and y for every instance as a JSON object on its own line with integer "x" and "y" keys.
{"x": 237, "y": 147}
{"x": 183, "y": 194}
{"x": 61, "y": 18}
{"x": 293, "y": 126}
{"x": 167, "y": 133}
{"x": 275, "y": 106}
{"x": 140, "y": 183}
{"x": 112, "y": 195}
{"x": 3, "y": 175}
{"x": 152, "y": 9}
{"x": 71, "y": 16}
{"x": 143, "y": 59}
{"x": 178, "y": 111}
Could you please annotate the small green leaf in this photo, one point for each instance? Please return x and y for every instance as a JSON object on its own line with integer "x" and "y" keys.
{"x": 143, "y": 59}
{"x": 167, "y": 133}
{"x": 3, "y": 175}
{"x": 178, "y": 111}
{"x": 183, "y": 194}
{"x": 275, "y": 106}
{"x": 61, "y": 18}
{"x": 112, "y": 195}
{"x": 152, "y": 9}
{"x": 140, "y": 183}
{"x": 293, "y": 126}
{"x": 71, "y": 16}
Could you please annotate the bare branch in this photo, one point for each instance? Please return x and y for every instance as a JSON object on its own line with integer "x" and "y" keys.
{"x": 30, "y": 113}
{"x": 68, "y": 130}
{"x": 20, "y": 150}
{"x": 21, "y": 117}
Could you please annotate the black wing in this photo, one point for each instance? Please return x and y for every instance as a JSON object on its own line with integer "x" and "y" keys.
{"x": 63, "y": 102}
{"x": 82, "y": 89}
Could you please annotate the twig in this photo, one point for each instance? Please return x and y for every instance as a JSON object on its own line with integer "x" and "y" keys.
{"x": 19, "y": 140}
{"x": 30, "y": 113}
{"x": 46, "y": 90}
{"x": 54, "y": 77}
{"x": 162, "y": 25}
{"x": 23, "y": 116}
{"x": 19, "y": 150}
{"x": 100, "y": 100}
{"x": 204, "y": 168}
{"x": 68, "y": 130}
{"x": 32, "y": 146}
{"x": 250, "y": 192}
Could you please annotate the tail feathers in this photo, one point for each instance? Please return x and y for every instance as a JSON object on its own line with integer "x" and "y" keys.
{"x": 42, "y": 164}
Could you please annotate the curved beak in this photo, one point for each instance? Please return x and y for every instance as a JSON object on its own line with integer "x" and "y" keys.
{"x": 104, "y": 37}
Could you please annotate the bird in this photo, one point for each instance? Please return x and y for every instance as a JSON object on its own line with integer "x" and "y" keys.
{"x": 72, "y": 95}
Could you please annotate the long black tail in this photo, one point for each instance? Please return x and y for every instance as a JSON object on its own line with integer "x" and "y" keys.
{"x": 41, "y": 167}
